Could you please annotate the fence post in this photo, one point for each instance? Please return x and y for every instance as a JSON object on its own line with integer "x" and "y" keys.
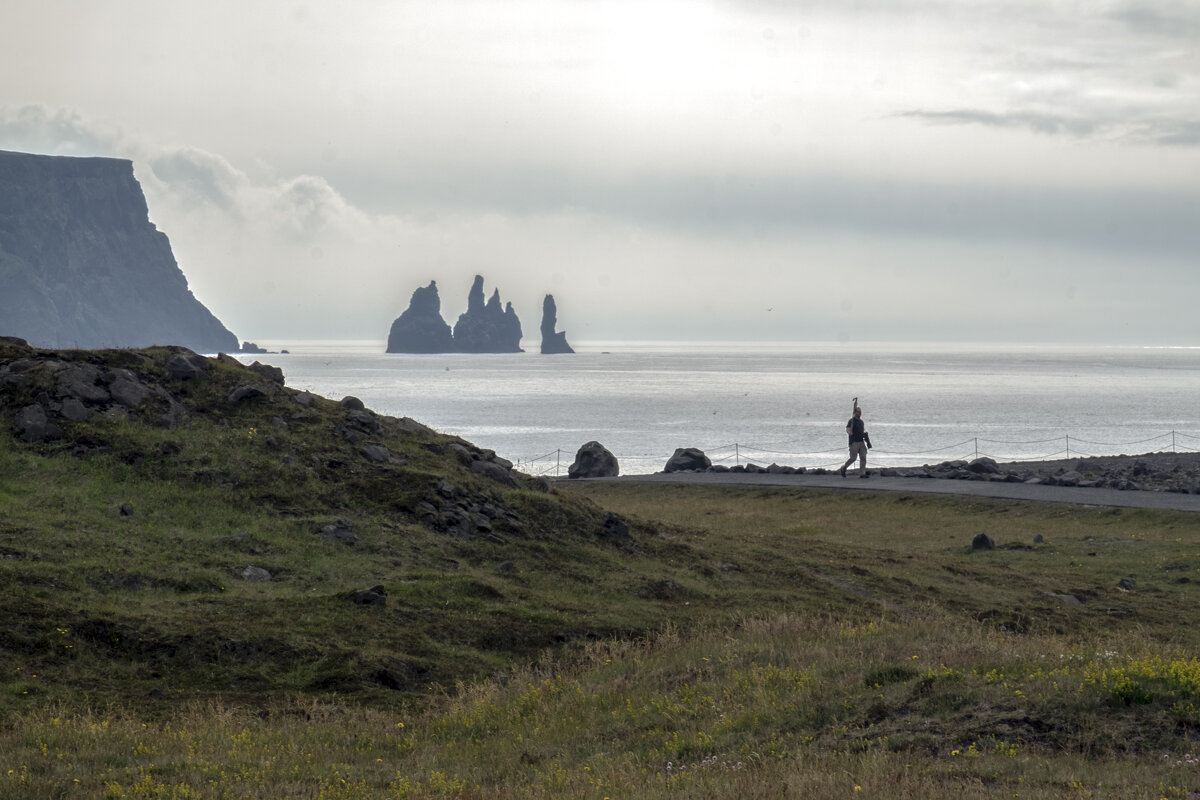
{"x": 558, "y": 463}
{"x": 737, "y": 454}
{"x": 1173, "y": 442}
{"x": 977, "y": 448}
{"x": 1068, "y": 445}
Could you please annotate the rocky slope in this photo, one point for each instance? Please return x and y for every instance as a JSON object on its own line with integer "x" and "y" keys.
{"x": 197, "y": 527}
{"x": 94, "y": 401}
{"x": 82, "y": 266}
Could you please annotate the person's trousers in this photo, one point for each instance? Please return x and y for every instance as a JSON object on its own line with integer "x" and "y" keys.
{"x": 857, "y": 450}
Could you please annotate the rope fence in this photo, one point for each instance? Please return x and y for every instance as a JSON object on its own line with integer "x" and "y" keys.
{"x": 556, "y": 462}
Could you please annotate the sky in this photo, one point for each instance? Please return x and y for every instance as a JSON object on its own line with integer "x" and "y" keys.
{"x": 767, "y": 170}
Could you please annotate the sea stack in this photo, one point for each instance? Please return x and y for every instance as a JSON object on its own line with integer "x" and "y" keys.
{"x": 552, "y": 342}
{"x": 483, "y": 328}
{"x": 487, "y": 328}
{"x": 82, "y": 266}
{"x": 421, "y": 329}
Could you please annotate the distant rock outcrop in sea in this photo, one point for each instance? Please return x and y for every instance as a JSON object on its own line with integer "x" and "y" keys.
{"x": 421, "y": 329}
{"x": 552, "y": 342}
{"x": 482, "y": 328}
{"x": 82, "y": 266}
{"x": 487, "y": 328}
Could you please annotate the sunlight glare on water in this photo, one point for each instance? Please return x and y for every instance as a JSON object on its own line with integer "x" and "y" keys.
{"x": 781, "y": 403}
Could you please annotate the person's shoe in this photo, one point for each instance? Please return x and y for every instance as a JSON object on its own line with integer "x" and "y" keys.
{"x": 842, "y": 472}
{"x": 866, "y": 474}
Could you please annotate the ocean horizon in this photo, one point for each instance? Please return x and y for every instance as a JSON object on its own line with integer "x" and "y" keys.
{"x": 774, "y": 402}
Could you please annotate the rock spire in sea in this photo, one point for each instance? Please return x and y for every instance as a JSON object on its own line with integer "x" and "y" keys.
{"x": 552, "y": 342}
{"x": 421, "y": 329}
{"x": 485, "y": 327}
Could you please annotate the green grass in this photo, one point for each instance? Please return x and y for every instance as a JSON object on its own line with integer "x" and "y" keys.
{"x": 751, "y": 642}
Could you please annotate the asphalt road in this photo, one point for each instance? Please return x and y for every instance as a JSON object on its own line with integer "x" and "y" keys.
{"x": 1011, "y": 491}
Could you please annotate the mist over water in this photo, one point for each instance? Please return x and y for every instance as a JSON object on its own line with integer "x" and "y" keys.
{"x": 764, "y": 403}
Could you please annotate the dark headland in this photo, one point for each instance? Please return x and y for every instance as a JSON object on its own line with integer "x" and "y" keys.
{"x": 82, "y": 266}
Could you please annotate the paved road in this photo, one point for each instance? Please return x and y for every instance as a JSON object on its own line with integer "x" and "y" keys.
{"x": 1011, "y": 491}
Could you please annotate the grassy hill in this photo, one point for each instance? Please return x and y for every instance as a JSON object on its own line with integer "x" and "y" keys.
{"x": 125, "y": 539}
{"x": 529, "y": 640}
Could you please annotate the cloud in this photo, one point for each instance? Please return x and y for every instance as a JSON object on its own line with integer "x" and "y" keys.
{"x": 199, "y": 178}
{"x": 712, "y": 204}
{"x": 1171, "y": 20}
{"x": 1038, "y": 122}
{"x": 255, "y": 247}
{"x": 1125, "y": 127}
{"x": 307, "y": 206}
{"x": 41, "y": 129}
{"x": 665, "y": 174}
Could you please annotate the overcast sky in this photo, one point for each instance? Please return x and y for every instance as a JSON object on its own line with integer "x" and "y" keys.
{"x": 1011, "y": 170}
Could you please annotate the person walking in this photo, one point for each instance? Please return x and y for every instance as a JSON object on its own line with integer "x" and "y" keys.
{"x": 860, "y": 443}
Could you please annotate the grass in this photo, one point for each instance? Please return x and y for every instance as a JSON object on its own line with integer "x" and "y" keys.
{"x": 742, "y": 642}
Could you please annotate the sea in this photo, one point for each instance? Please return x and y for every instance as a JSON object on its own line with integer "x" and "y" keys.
{"x": 774, "y": 403}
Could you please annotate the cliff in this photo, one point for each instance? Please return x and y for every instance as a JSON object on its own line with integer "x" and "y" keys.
{"x": 82, "y": 266}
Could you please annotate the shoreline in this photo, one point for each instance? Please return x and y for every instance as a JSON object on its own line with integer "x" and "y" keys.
{"x": 1162, "y": 460}
{"x": 1161, "y": 472}
{"x": 1166, "y": 481}
{"x": 1171, "y": 472}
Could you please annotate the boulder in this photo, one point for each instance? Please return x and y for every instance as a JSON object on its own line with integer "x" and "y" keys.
{"x": 74, "y": 410}
{"x": 375, "y": 596}
{"x": 376, "y": 453}
{"x": 1071, "y": 478}
{"x": 256, "y": 574}
{"x": 186, "y": 365}
{"x": 410, "y": 425}
{"x": 253, "y": 391}
{"x": 691, "y": 459}
{"x": 340, "y": 530}
{"x": 594, "y": 461}
{"x": 614, "y": 527}
{"x": 305, "y": 399}
{"x": 983, "y": 542}
{"x": 363, "y": 420}
{"x": 33, "y": 425}
{"x": 984, "y": 466}
{"x": 80, "y": 381}
{"x": 273, "y": 374}
{"x": 128, "y": 392}
{"x": 497, "y": 472}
